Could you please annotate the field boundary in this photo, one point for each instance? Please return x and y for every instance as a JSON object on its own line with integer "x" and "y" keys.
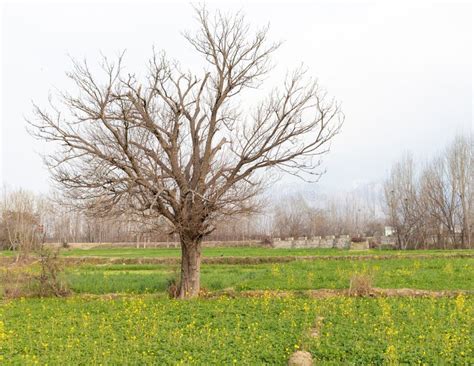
{"x": 78, "y": 260}
{"x": 323, "y": 293}
{"x": 314, "y": 294}
{"x": 327, "y": 293}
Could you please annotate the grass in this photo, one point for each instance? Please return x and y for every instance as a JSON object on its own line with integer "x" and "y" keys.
{"x": 241, "y": 252}
{"x": 145, "y": 329}
{"x": 395, "y": 331}
{"x": 142, "y": 328}
{"x": 429, "y": 274}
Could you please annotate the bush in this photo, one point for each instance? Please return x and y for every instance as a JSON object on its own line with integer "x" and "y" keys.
{"x": 360, "y": 284}
{"x": 267, "y": 241}
{"x": 25, "y": 279}
{"x": 173, "y": 287}
{"x": 373, "y": 243}
{"x": 358, "y": 239}
{"x": 49, "y": 281}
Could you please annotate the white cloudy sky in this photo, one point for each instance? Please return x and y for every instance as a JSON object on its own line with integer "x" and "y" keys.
{"x": 402, "y": 70}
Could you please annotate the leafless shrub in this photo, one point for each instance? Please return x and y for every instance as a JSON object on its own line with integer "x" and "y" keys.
{"x": 49, "y": 281}
{"x": 360, "y": 284}
{"x": 173, "y": 288}
{"x": 267, "y": 241}
{"x": 34, "y": 278}
{"x": 358, "y": 239}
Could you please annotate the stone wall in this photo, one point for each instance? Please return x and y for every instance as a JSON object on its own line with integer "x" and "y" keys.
{"x": 170, "y": 244}
{"x": 331, "y": 241}
{"x": 388, "y": 241}
{"x": 340, "y": 242}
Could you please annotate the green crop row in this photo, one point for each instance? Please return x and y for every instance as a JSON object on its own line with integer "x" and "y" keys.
{"x": 243, "y": 252}
{"x": 245, "y": 331}
{"x": 429, "y": 274}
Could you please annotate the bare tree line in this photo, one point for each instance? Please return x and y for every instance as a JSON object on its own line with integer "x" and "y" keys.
{"x": 24, "y": 217}
{"x": 433, "y": 205}
{"x": 291, "y": 216}
{"x": 356, "y": 214}
{"x": 429, "y": 206}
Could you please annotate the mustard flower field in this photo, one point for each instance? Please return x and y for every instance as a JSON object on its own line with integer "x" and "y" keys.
{"x": 244, "y": 331}
{"x": 251, "y": 314}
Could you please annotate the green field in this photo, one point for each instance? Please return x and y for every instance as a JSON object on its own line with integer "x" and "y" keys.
{"x": 429, "y": 274}
{"x": 242, "y": 252}
{"x": 120, "y": 313}
{"x": 247, "y": 252}
{"x": 264, "y": 330}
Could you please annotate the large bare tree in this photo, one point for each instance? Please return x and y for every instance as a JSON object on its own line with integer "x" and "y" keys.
{"x": 180, "y": 145}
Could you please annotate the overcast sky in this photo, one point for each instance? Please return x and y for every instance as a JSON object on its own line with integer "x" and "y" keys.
{"x": 403, "y": 72}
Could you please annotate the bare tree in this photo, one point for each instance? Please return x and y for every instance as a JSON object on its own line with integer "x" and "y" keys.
{"x": 20, "y": 225}
{"x": 355, "y": 213}
{"x": 293, "y": 217}
{"x": 438, "y": 197}
{"x": 440, "y": 203}
{"x": 180, "y": 145}
{"x": 447, "y": 184}
{"x": 403, "y": 204}
{"x": 460, "y": 157}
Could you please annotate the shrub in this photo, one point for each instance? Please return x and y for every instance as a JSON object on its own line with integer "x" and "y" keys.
{"x": 267, "y": 241}
{"x": 173, "y": 287}
{"x": 360, "y": 284}
{"x": 25, "y": 279}
{"x": 49, "y": 282}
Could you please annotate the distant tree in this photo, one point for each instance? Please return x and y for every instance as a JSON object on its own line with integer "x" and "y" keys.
{"x": 20, "y": 223}
{"x": 460, "y": 156}
{"x": 447, "y": 186}
{"x": 435, "y": 202}
{"x": 293, "y": 217}
{"x": 402, "y": 200}
{"x": 180, "y": 145}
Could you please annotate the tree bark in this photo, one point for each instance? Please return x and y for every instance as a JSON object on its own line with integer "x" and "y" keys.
{"x": 190, "y": 268}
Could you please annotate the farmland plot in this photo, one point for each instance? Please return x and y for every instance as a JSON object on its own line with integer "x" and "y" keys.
{"x": 145, "y": 329}
{"x": 250, "y": 315}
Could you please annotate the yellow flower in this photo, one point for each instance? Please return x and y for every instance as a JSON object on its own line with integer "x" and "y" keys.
{"x": 460, "y": 300}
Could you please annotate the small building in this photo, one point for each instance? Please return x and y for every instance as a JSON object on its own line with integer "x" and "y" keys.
{"x": 389, "y": 231}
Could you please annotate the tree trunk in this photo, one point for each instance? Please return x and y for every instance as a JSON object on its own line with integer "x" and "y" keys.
{"x": 190, "y": 268}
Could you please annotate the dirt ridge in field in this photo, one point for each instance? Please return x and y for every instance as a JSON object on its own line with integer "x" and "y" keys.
{"x": 325, "y": 293}
{"x": 78, "y": 260}
{"x": 316, "y": 294}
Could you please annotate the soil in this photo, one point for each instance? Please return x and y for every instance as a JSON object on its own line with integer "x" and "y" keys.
{"x": 300, "y": 358}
